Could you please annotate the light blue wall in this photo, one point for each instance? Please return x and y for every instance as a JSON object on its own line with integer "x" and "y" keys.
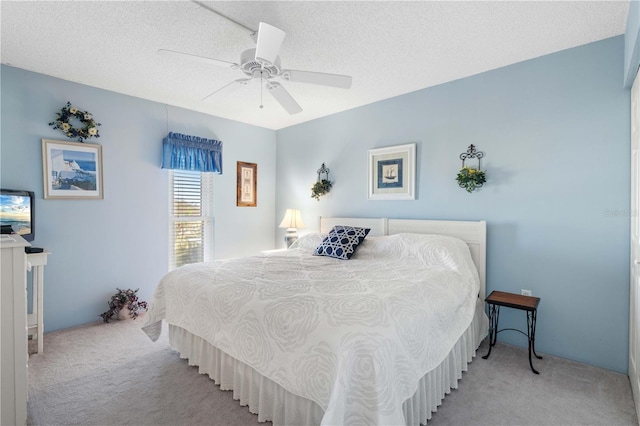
{"x": 121, "y": 241}
{"x": 555, "y": 131}
{"x": 556, "y": 135}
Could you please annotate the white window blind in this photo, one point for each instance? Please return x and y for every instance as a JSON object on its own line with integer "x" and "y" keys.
{"x": 191, "y": 222}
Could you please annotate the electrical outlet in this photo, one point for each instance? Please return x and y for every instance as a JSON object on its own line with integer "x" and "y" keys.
{"x": 525, "y": 292}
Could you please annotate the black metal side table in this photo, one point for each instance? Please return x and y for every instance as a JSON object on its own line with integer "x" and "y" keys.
{"x": 515, "y": 301}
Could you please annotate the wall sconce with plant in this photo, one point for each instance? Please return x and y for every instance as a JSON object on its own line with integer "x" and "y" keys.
{"x": 323, "y": 184}
{"x": 469, "y": 178}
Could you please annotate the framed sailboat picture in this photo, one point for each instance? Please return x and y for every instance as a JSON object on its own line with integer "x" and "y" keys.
{"x": 392, "y": 173}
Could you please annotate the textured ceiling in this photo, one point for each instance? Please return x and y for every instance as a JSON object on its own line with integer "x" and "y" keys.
{"x": 390, "y": 48}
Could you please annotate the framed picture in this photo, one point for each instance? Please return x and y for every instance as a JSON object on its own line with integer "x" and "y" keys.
{"x": 71, "y": 170}
{"x": 247, "y": 187}
{"x": 392, "y": 173}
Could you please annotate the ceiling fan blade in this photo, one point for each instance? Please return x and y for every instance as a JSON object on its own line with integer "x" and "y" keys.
{"x": 283, "y": 97}
{"x": 227, "y": 89}
{"x": 218, "y": 62}
{"x": 268, "y": 44}
{"x": 323, "y": 79}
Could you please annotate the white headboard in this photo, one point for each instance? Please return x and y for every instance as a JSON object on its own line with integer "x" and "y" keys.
{"x": 474, "y": 233}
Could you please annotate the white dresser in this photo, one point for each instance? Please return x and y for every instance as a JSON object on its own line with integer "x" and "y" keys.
{"x": 13, "y": 330}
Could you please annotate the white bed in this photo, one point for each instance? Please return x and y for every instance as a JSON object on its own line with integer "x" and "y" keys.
{"x": 305, "y": 339}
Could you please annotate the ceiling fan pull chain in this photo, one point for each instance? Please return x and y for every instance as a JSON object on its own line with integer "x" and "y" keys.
{"x": 261, "y": 90}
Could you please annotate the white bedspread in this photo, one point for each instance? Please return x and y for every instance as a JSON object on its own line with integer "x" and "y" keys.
{"x": 354, "y": 336}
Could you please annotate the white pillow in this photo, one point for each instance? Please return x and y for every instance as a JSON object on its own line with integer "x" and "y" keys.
{"x": 308, "y": 242}
{"x": 424, "y": 249}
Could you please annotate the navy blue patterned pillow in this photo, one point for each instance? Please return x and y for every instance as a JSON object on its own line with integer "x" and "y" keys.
{"x": 341, "y": 242}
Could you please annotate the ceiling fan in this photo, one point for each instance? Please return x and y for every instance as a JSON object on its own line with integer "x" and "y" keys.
{"x": 263, "y": 63}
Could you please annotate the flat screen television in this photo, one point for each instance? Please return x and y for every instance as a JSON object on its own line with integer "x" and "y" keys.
{"x": 17, "y": 209}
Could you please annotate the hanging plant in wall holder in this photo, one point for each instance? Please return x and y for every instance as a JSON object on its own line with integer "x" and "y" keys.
{"x": 76, "y": 123}
{"x": 323, "y": 185}
{"x": 469, "y": 178}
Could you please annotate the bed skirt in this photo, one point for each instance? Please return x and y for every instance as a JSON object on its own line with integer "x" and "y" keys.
{"x": 273, "y": 403}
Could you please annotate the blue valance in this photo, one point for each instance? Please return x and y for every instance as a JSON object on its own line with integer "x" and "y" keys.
{"x": 184, "y": 152}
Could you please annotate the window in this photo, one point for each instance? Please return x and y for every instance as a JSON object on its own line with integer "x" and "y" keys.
{"x": 190, "y": 220}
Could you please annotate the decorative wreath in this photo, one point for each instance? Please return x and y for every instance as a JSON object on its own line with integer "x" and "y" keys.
{"x": 89, "y": 128}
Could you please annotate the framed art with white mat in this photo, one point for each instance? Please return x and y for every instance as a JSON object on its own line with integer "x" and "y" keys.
{"x": 392, "y": 173}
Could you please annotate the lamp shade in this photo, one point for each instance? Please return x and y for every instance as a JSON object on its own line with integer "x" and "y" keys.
{"x": 292, "y": 219}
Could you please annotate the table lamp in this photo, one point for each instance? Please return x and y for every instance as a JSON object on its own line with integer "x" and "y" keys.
{"x": 291, "y": 221}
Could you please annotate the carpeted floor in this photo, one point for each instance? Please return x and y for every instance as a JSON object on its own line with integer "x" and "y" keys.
{"x": 112, "y": 374}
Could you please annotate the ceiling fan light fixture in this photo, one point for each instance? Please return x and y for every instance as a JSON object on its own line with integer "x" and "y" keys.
{"x": 263, "y": 62}
{"x": 249, "y": 65}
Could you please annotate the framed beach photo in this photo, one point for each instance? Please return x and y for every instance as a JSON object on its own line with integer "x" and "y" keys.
{"x": 71, "y": 170}
{"x": 247, "y": 185}
{"x": 392, "y": 173}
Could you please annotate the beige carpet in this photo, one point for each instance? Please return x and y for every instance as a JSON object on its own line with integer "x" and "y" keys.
{"x": 112, "y": 374}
